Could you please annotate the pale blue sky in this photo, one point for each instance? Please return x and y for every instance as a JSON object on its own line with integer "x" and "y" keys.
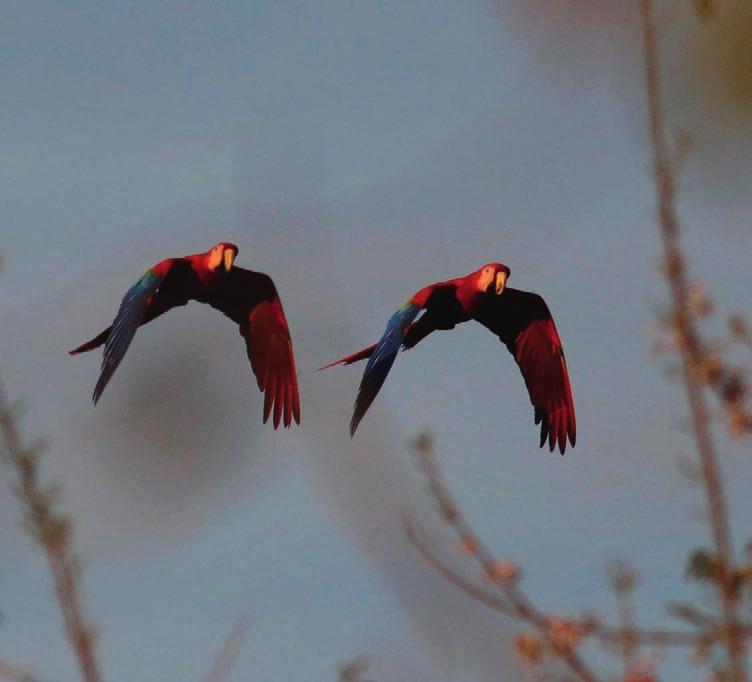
{"x": 354, "y": 151}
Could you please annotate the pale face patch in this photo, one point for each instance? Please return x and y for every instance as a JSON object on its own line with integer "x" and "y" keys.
{"x": 485, "y": 279}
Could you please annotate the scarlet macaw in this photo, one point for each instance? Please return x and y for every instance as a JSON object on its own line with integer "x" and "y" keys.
{"x": 520, "y": 319}
{"x": 248, "y": 298}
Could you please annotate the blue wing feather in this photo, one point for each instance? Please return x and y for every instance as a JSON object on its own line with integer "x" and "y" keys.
{"x": 382, "y": 360}
{"x": 131, "y": 312}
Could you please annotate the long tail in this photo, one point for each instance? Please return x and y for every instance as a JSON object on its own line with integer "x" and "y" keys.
{"x": 414, "y": 333}
{"x": 355, "y": 357}
{"x": 96, "y": 342}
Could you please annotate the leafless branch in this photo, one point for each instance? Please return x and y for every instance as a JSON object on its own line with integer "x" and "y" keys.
{"x": 622, "y": 582}
{"x": 11, "y": 672}
{"x": 229, "y": 653}
{"x": 691, "y": 348}
{"x": 503, "y": 593}
{"x": 52, "y": 533}
{"x": 353, "y": 670}
{"x": 562, "y": 636}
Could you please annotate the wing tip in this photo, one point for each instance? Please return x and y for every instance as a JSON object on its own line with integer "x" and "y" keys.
{"x": 289, "y": 423}
{"x": 355, "y": 421}
{"x": 543, "y": 432}
{"x": 556, "y": 431}
{"x": 294, "y": 416}
{"x": 104, "y": 379}
{"x": 283, "y": 408}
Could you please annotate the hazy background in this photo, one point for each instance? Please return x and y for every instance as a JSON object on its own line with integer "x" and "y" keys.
{"x": 355, "y": 151}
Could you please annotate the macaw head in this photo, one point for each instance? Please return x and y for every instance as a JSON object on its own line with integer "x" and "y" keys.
{"x": 221, "y": 257}
{"x": 492, "y": 278}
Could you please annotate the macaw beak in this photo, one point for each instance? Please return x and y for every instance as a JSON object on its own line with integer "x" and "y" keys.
{"x": 501, "y": 281}
{"x": 229, "y": 259}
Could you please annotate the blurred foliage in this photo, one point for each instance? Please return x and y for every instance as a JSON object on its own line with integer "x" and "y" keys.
{"x": 705, "y": 8}
{"x": 703, "y": 565}
{"x": 353, "y": 671}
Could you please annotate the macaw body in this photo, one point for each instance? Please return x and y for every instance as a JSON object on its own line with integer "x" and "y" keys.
{"x": 248, "y": 298}
{"x": 520, "y": 319}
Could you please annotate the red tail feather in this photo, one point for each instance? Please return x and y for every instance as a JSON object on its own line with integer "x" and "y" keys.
{"x": 91, "y": 345}
{"x": 350, "y": 359}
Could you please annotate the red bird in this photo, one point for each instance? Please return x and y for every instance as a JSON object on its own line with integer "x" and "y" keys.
{"x": 248, "y": 298}
{"x": 520, "y": 319}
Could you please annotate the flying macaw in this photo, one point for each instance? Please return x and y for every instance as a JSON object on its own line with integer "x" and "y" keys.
{"x": 520, "y": 319}
{"x": 248, "y": 298}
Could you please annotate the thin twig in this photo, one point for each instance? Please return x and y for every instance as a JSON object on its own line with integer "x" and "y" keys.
{"x": 622, "y": 581}
{"x": 475, "y": 591}
{"x": 11, "y": 672}
{"x": 51, "y": 532}
{"x": 593, "y": 630}
{"x": 691, "y": 346}
{"x": 353, "y": 670}
{"x": 517, "y": 601}
{"x": 229, "y": 653}
{"x": 504, "y": 594}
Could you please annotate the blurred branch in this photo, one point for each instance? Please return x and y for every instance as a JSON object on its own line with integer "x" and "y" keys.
{"x": 229, "y": 653}
{"x": 52, "y": 533}
{"x": 705, "y": 8}
{"x": 692, "y": 351}
{"x": 740, "y": 330}
{"x": 623, "y": 582}
{"x": 12, "y": 672}
{"x": 703, "y": 372}
{"x": 353, "y": 671}
{"x": 560, "y": 635}
{"x": 589, "y": 627}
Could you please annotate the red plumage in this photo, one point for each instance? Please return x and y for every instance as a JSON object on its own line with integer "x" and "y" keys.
{"x": 520, "y": 319}
{"x": 248, "y": 298}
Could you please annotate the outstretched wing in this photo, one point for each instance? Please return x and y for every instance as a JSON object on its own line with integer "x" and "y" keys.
{"x": 524, "y": 324}
{"x": 160, "y": 288}
{"x": 382, "y": 359}
{"x": 250, "y": 299}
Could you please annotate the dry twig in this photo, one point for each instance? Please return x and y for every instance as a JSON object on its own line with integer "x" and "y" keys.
{"x": 11, "y": 672}
{"x": 52, "y": 533}
{"x": 503, "y": 593}
{"x": 561, "y": 636}
{"x": 229, "y": 653}
{"x": 691, "y": 348}
{"x": 701, "y": 370}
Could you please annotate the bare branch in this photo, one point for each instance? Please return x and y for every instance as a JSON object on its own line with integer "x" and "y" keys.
{"x": 486, "y": 597}
{"x": 11, "y": 672}
{"x": 623, "y": 582}
{"x": 561, "y": 635}
{"x": 51, "y": 531}
{"x": 229, "y": 653}
{"x": 691, "y": 347}
{"x": 353, "y": 670}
